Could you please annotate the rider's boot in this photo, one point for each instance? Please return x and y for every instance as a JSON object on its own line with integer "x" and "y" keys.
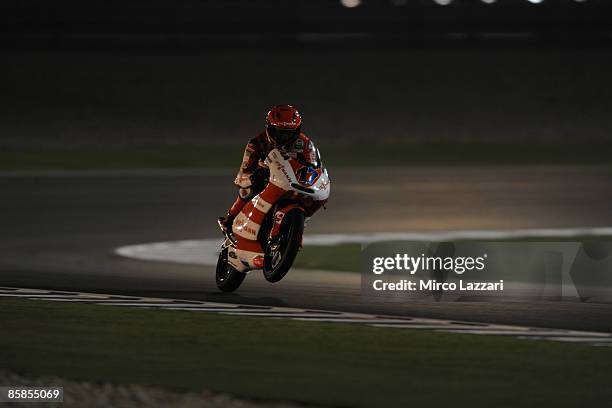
{"x": 226, "y": 222}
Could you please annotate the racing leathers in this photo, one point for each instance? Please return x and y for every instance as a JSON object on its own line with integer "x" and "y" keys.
{"x": 251, "y": 177}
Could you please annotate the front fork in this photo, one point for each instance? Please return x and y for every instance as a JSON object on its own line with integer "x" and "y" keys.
{"x": 279, "y": 214}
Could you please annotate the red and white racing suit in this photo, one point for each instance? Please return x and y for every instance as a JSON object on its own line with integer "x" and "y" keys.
{"x": 255, "y": 153}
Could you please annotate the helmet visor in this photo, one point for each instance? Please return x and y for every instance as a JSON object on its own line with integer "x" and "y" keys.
{"x": 283, "y": 137}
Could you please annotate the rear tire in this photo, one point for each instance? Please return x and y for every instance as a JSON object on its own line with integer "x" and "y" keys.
{"x": 277, "y": 262}
{"x": 227, "y": 277}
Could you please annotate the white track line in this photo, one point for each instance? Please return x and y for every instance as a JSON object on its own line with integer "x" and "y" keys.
{"x": 204, "y": 251}
{"x": 447, "y": 326}
{"x": 343, "y": 319}
{"x": 535, "y": 333}
{"x": 595, "y": 341}
{"x": 291, "y": 315}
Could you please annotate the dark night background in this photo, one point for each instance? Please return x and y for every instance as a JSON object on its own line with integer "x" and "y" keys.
{"x": 478, "y": 117}
{"x": 116, "y": 73}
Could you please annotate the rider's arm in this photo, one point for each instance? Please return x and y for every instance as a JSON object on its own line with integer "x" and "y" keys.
{"x": 250, "y": 160}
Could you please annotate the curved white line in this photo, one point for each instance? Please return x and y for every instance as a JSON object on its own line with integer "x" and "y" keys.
{"x": 204, "y": 251}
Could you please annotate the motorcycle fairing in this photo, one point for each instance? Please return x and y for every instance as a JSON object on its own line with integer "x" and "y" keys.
{"x": 246, "y": 255}
{"x": 248, "y": 222}
{"x": 279, "y": 215}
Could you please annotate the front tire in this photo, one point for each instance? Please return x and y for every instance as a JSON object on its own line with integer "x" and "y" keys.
{"x": 227, "y": 277}
{"x": 281, "y": 253}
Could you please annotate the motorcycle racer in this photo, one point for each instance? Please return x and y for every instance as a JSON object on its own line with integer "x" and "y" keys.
{"x": 283, "y": 132}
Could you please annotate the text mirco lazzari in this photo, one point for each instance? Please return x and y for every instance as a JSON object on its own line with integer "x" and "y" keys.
{"x": 405, "y": 263}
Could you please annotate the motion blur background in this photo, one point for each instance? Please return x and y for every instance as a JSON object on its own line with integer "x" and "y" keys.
{"x": 424, "y": 81}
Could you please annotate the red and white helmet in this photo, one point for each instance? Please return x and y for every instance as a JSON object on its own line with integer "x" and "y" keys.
{"x": 283, "y": 124}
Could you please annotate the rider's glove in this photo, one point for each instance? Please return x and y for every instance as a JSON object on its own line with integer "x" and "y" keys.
{"x": 245, "y": 193}
{"x": 243, "y": 180}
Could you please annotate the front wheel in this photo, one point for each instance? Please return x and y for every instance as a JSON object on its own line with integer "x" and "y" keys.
{"x": 282, "y": 251}
{"x": 228, "y": 278}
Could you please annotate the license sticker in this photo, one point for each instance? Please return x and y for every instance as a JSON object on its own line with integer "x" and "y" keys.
{"x": 258, "y": 262}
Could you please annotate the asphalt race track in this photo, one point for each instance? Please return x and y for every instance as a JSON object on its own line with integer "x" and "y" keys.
{"x": 59, "y": 230}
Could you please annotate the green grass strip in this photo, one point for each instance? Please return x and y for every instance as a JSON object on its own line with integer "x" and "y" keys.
{"x": 335, "y": 154}
{"x": 341, "y": 258}
{"x": 306, "y": 362}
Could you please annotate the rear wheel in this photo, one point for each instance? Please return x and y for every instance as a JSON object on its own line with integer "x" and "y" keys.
{"x": 282, "y": 251}
{"x": 228, "y": 278}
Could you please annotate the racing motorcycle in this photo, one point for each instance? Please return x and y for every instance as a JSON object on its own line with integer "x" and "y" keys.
{"x": 267, "y": 234}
